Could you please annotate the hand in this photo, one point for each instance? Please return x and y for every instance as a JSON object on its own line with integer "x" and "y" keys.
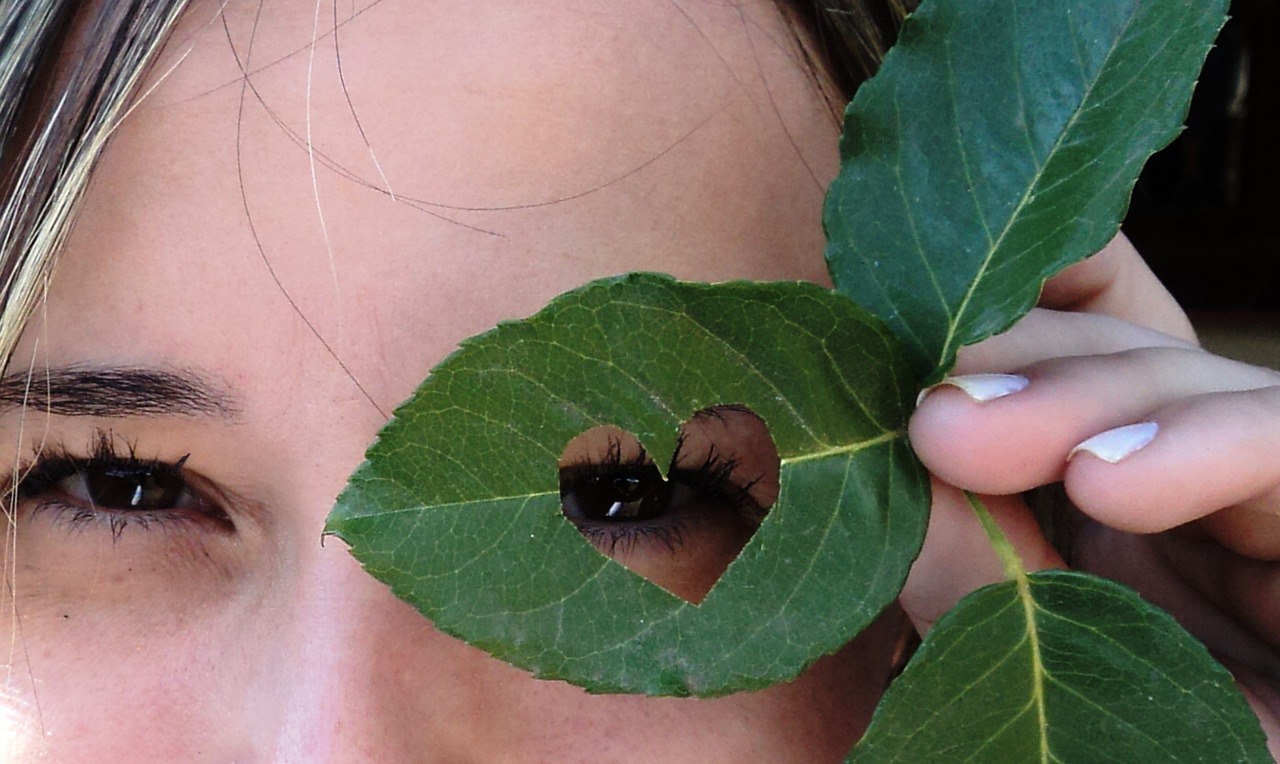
{"x": 1191, "y": 519}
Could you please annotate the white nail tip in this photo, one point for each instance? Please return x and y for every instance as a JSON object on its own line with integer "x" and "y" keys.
{"x": 1114, "y": 445}
{"x": 984, "y": 387}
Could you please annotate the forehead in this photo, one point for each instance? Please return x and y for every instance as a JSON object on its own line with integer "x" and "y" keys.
{"x": 488, "y": 104}
{"x": 396, "y": 175}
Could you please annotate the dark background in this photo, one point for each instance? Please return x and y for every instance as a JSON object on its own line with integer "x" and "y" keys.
{"x": 1206, "y": 212}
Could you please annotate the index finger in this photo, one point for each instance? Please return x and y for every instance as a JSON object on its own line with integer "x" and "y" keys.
{"x": 1117, "y": 282}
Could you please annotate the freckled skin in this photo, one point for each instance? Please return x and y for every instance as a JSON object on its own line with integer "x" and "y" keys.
{"x": 530, "y": 147}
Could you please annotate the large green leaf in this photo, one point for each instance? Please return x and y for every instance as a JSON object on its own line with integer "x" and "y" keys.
{"x": 998, "y": 144}
{"x": 457, "y": 506}
{"x": 1062, "y": 667}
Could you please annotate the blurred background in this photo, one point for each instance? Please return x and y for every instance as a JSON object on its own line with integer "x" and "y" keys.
{"x": 1206, "y": 212}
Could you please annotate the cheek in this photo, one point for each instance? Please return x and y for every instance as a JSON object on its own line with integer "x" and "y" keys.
{"x": 87, "y": 691}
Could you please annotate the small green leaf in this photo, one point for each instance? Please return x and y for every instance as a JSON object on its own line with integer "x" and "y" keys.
{"x": 457, "y": 506}
{"x": 998, "y": 144}
{"x": 1059, "y": 666}
{"x": 1062, "y": 667}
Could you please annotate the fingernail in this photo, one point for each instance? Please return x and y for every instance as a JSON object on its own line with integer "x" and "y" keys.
{"x": 1114, "y": 445}
{"x": 981, "y": 387}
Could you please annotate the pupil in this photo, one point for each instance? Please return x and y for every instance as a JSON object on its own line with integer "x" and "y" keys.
{"x": 636, "y": 496}
{"x": 628, "y": 488}
{"x": 125, "y": 490}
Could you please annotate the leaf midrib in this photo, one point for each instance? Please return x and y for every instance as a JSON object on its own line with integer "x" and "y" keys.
{"x": 842, "y": 450}
{"x": 834, "y": 451}
{"x": 1023, "y": 583}
{"x": 954, "y": 324}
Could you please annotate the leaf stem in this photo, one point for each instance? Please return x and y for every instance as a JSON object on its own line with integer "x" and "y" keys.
{"x": 1013, "y": 569}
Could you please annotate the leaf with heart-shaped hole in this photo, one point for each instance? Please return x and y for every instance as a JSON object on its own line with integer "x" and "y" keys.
{"x": 457, "y": 507}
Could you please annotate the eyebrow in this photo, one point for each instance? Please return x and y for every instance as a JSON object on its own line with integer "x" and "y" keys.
{"x": 116, "y": 391}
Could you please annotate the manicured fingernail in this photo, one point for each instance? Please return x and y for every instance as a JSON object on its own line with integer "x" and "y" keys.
{"x": 1114, "y": 445}
{"x": 981, "y": 387}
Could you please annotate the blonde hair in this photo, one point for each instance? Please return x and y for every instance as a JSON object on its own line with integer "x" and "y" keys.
{"x": 69, "y": 74}
{"x": 67, "y": 77}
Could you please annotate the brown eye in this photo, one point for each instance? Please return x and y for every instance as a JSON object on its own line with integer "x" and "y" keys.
{"x": 681, "y": 533}
{"x": 625, "y": 492}
{"x": 128, "y": 488}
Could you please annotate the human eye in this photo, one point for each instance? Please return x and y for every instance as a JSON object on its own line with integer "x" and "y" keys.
{"x": 112, "y": 488}
{"x": 681, "y": 532}
{"x": 619, "y": 503}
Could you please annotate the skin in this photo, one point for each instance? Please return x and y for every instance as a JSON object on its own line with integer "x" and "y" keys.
{"x": 188, "y": 641}
{"x": 581, "y": 143}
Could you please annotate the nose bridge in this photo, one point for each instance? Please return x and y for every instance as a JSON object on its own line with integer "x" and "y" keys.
{"x": 351, "y": 677}
{"x": 322, "y": 652}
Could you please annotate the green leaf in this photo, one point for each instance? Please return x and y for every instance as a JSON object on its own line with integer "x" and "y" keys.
{"x": 1061, "y": 667}
{"x": 998, "y": 144}
{"x": 457, "y": 506}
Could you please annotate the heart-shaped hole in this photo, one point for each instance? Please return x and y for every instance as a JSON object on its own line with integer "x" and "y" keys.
{"x": 680, "y": 533}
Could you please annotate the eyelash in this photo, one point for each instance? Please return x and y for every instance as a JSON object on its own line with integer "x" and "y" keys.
{"x": 711, "y": 482}
{"x": 44, "y": 474}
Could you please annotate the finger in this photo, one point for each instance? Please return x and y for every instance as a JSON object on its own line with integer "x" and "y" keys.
{"x": 1198, "y": 584}
{"x": 1116, "y": 282}
{"x": 1201, "y": 454}
{"x": 1250, "y": 528}
{"x": 1241, "y": 591}
{"x": 1265, "y": 702}
{"x": 1192, "y": 579}
{"x": 1251, "y": 590}
{"x": 1022, "y": 437}
{"x": 1044, "y": 334}
{"x": 957, "y": 557}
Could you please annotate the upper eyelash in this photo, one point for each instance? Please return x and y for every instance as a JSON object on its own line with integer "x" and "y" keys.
{"x": 51, "y": 465}
{"x": 712, "y": 478}
{"x": 608, "y": 466}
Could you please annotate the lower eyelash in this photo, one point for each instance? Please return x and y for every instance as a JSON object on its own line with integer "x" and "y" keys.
{"x": 623, "y": 538}
{"x": 83, "y": 518}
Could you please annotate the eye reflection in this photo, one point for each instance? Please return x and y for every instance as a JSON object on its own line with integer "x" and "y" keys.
{"x": 682, "y": 532}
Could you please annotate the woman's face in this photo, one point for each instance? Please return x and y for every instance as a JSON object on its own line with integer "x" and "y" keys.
{"x": 235, "y": 299}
